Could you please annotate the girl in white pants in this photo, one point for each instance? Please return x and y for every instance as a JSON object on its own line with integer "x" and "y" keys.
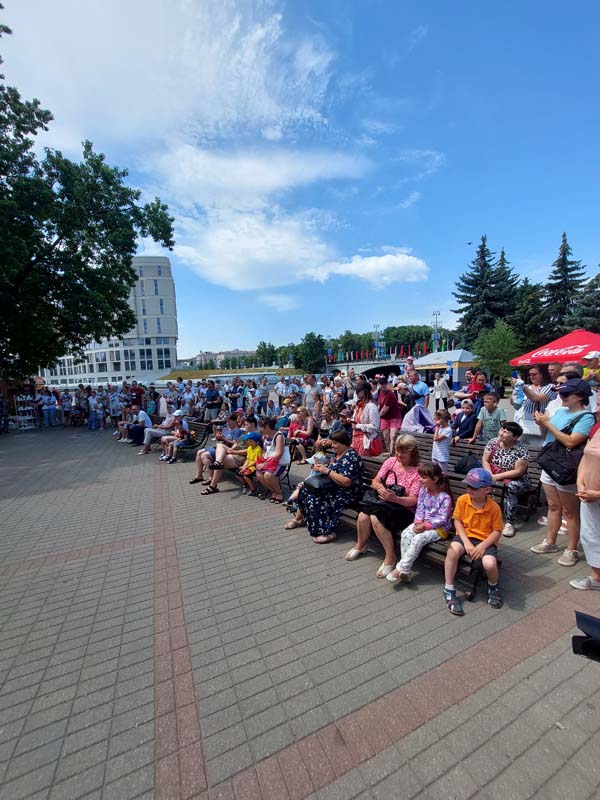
{"x": 433, "y": 520}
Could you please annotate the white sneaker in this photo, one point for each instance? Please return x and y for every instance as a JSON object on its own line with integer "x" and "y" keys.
{"x": 115, "y": 433}
{"x": 508, "y": 530}
{"x": 585, "y": 583}
{"x": 544, "y": 547}
{"x": 542, "y": 521}
{"x": 569, "y": 558}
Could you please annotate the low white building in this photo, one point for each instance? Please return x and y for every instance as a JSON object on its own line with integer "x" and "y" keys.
{"x": 147, "y": 351}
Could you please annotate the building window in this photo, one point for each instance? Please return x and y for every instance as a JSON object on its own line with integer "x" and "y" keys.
{"x": 146, "y": 358}
{"x": 145, "y": 325}
{"x": 158, "y": 330}
{"x": 102, "y": 367}
{"x": 159, "y": 268}
{"x": 143, "y": 308}
{"x": 129, "y": 356}
{"x": 100, "y": 358}
{"x": 161, "y": 303}
{"x": 163, "y": 355}
{"x": 142, "y": 287}
{"x": 155, "y": 286}
{"x": 90, "y": 368}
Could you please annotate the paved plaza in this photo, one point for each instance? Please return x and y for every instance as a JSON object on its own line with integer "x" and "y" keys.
{"x": 158, "y": 643}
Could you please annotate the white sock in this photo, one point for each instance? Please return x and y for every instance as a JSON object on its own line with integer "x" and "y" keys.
{"x": 449, "y": 587}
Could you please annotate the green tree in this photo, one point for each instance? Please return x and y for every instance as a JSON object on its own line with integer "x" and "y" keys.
{"x": 562, "y": 288}
{"x": 505, "y": 286}
{"x": 68, "y": 234}
{"x": 496, "y": 346}
{"x": 311, "y": 353}
{"x": 266, "y": 354}
{"x": 475, "y": 296}
{"x": 585, "y": 310}
{"x": 528, "y": 317}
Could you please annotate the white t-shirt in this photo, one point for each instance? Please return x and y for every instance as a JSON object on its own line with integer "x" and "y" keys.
{"x": 441, "y": 450}
{"x": 144, "y": 419}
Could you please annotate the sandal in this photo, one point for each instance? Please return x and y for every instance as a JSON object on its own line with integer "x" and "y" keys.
{"x": 206, "y": 483}
{"x": 325, "y": 539}
{"x": 197, "y": 480}
{"x": 210, "y": 490}
{"x": 304, "y": 461}
{"x": 216, "y": 465}
{"x": 353, "y": 554}
{"x": 384, "y": 570}
{"x": 294, "y": 523}
{"x": 277, "y": 500}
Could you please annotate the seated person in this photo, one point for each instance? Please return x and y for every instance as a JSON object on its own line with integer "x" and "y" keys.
{"x": 173, "y": 436}
{"x": 478, "y": 524}
{"x": 228, "y": 458}
{"x": 433, "y": 520}
{"x": 304, "y": 436}
{"x": 489, "y": 419}
{"x": 181, "y": 436}
{"x": 507, "y": 460}
{"x": 320, "y": 457}
{"x": 228, "y": 436}
{"x": 254, "y": 451}
{"x": 464, "y": 423}
{"x": 343, "y": 422}
{"x": 157, "y": 433}
{"x": 398, "y": 470}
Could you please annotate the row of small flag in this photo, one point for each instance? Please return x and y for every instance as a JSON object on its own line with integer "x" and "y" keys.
{"x": 396, "y": 351}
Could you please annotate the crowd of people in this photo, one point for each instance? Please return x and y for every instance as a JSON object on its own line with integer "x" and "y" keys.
{"x": 258, "y": 428}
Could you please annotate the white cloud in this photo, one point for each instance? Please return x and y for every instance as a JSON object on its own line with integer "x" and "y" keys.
{"x": 280, "y": 302}
{"x": 143, "y": 70}
{"x": 416, "y": 36}
{"x": 426, "y": 162}
{"x": 378, "y": 126}
{"x": 246, "y": 179}
{"x": 412, "y": 198}
{"x": 380, "y": 271}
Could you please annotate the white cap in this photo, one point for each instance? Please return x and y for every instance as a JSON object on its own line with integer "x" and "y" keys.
{"x": 178, "y": 413}
{"x": 592, "y": 354}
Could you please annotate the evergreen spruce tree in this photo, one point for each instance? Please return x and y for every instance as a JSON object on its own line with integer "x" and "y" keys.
{"x": 562, "y": 289}
{"x": 528, "y": 318}
{"x": 505, "y": 288}
{"x": 474, "y": 294}
{"x": 585, "y": 312}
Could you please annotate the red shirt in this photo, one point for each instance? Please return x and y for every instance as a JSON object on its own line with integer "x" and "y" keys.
{"x": 388, "y": 398}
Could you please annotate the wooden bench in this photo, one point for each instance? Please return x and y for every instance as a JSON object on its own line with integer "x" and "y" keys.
{"x": 469, "y": 573}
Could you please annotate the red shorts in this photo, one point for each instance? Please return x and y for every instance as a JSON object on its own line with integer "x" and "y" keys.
{"x": 389, "y": 424}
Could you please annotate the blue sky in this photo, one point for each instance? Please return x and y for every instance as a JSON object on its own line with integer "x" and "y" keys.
{"x": 327, "y": 162}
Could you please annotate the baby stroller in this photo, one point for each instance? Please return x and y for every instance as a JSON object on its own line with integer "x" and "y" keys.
{"x": 77, "y": 419}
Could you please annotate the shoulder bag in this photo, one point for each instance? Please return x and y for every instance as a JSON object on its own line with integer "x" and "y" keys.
{"x": 561, "y": 462}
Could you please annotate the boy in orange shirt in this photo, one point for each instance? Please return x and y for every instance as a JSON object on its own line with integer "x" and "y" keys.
{"x": 478, "y": 524}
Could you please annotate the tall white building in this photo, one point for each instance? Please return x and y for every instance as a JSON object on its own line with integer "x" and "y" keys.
{"x": 147, "y": 351}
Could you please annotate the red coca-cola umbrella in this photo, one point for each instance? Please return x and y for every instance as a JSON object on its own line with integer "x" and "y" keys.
{"x": 572, "y": 347}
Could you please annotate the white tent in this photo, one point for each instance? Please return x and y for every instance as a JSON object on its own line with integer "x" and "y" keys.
{"x": 439, "y": 360}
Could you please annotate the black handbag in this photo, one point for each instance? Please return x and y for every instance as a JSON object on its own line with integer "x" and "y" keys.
{"x": 370, "y": 502}
{"x": 560, "y": 462}
{"x": 319, "y": 483}
{"x": 466, "y": 463}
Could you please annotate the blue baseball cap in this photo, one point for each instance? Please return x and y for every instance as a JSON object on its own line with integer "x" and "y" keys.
{"x": 253, "y": 436}
{"x": 478, "y": 478}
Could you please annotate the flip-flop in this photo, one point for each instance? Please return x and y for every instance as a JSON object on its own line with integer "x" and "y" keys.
{"x": 325, "y": 539}
{"x": 294, "y": 523}
{"x": 216, "y": 465}
{"x": 210, "y": 490}
{"x": 276, "y": 500}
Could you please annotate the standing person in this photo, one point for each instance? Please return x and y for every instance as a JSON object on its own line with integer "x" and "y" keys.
{"x": 442, "y": 437}
{"x": 588, "y": 491}
{"x": 418, "y": 389}
{"x": 365, "y": 423}
{"x": 562, "y": 499}
{"x": 262, "y": 396}
{"x": 489, "y": 419}
{"x": 48, "y": 406}
{"x": 538, "y": 393}
{"x": 390, "y": 415}
{"x": 67, "y": 406}
{"x": 440, "y": 390}
{"x": 213, "y": 402}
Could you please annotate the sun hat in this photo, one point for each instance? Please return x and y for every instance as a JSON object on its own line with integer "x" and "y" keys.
{"x": 344, "y": 412}
{"x": 478, "y": 478}
{"x": 575, "y": 386}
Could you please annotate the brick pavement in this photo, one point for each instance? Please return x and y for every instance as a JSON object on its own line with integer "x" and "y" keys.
{"x": 160, "y": 643}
